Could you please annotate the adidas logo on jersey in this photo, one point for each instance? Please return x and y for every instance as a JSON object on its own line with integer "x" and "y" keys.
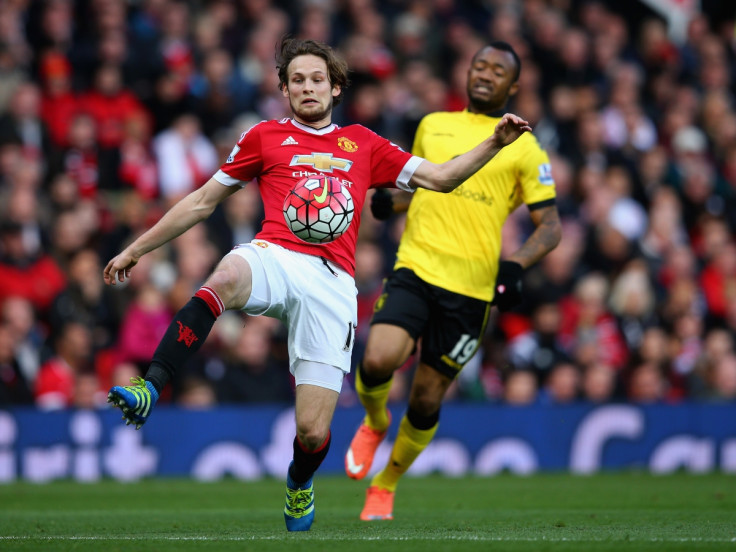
{"x": 289, "y": 142}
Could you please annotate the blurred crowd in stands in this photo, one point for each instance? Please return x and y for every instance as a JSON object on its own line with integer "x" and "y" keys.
{"x": 110, "y": 110}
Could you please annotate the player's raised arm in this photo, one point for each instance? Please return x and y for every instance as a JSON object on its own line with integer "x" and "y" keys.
{"x": 447, "y": 176}
{"x": 190, "y": 210}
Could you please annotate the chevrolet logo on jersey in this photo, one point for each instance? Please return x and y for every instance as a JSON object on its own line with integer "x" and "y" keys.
{"x": 322, "y": 162}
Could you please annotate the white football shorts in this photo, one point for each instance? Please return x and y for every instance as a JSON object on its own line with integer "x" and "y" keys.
{"x": 314, "y": 298}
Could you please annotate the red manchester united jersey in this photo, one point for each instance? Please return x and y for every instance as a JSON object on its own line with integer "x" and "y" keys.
{"x": 280, "y": 153}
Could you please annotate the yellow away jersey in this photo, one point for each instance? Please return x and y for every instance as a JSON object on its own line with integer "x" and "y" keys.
{"x": 454, "y": 240}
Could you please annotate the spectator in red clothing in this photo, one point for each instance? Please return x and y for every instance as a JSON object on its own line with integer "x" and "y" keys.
{"x": 56, "y": 381}
{"x": 59, "y": 102}
{"x": 718, "y": 280}
{"x": 111, "y": 105}
{"x": 36, "y": 277}
{"x": 138, "y": 168}
{"x": 80, "y": 160}
{"x": 588, "y": 328}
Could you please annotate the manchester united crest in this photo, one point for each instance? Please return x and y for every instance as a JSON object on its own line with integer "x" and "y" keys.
{"x": 345, "y": 144}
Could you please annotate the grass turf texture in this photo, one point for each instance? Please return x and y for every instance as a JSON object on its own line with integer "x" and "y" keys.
{"x": 558, "y": 512}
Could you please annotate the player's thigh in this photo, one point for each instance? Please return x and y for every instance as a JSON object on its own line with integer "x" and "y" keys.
{"x": 321, "y": 310}
{"x": 387, "y": 348}
{"x": 399, "y": 317}
{"x": 454, "y": 331}
{"x": 232, "y": 280}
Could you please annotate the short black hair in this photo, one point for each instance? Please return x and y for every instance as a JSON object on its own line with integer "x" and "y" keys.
{"x": 506, "y": 47}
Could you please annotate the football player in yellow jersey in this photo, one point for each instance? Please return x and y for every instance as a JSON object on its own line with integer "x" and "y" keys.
{"x": 448, "y": 271}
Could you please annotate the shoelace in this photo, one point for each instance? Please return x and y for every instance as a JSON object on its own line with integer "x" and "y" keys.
{"x": 138, "y": 381}
{"x": 299, "y": 500}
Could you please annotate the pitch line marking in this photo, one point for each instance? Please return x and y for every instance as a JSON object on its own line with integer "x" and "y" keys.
{"x": 338, "y": 538}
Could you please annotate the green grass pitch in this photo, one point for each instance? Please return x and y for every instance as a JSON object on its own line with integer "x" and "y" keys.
{"x": 556, "y": 512}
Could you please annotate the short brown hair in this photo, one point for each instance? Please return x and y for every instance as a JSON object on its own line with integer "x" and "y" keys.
{"x": 337, "y": 68}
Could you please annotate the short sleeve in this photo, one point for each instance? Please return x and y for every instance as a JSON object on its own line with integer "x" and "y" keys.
{"x": 245, "y": 161}
{"x": 536, "y": 174}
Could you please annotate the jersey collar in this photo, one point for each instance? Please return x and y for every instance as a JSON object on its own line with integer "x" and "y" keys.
{"x": 320, "y": 131}
{"x": 493, "y": 114}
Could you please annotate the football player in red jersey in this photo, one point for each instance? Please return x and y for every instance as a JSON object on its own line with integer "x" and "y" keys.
{"x": 308, "y": 286}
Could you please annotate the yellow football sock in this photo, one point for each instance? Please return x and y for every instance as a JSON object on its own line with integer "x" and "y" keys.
{"x": 374, "y": 400}
{"x": 410, "y": 441}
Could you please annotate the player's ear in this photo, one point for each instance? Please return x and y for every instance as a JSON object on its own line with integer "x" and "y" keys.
{"x": 284, "y": 90}
{"x": 514, "y": 88}
{"x": 336, "y": 90}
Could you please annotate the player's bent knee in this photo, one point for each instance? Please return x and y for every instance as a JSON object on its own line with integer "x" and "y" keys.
{"x": 380, "y": 362}
{"x": 231, "y": 280}
{"x": 425, "y": 404}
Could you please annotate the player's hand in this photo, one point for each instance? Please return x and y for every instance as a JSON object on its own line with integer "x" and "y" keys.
{"x": 382, "y": 204}
{"x": 118, "y": 269}
{"x": 508, "y": 286}
{"x": 509, "y": 128}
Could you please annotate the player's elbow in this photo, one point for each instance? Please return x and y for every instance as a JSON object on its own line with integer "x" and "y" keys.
{"x": 202, "y": 204}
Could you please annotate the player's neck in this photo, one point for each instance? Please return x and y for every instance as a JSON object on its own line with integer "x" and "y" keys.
{"x": 312, "y": 130}
{"x": 488, "y": 112}
{"x": 316, "y": 125}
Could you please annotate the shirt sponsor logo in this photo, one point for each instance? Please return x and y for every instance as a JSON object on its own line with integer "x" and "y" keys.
{"x": 322, "y": 162}
{"x": 307, "y": 174}
{"x": 480, "y": 197}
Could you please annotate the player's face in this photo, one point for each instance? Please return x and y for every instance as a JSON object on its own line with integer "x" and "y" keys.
{"x": 309, "y": 91}
{"x": 491, "y": 80}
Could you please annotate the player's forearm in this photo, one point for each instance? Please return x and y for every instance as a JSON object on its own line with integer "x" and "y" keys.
{"x": 447, "y": 176}
{"x": 546, "y": 236}
{"x": 181, "y": 217}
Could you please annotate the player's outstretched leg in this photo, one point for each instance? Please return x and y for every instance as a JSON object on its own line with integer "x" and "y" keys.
{"x": 299, "y": 508}
{"x": 359, "y": 457}
{"x": 136, "y": 401}
{"x": 379, "y": 504}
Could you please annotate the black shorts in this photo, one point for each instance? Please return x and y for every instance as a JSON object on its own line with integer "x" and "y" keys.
{"x": 450, "y": 325}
